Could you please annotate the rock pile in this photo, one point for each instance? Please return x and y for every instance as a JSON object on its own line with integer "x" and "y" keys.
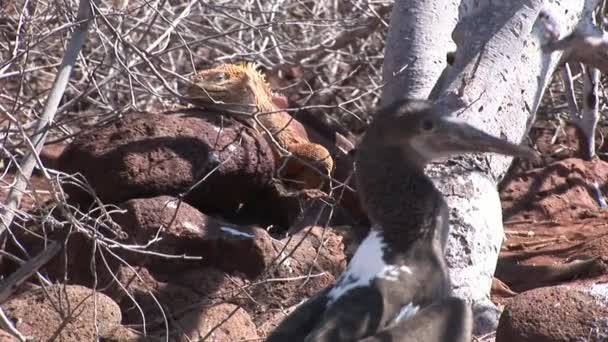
{"x": 196, "y": 245}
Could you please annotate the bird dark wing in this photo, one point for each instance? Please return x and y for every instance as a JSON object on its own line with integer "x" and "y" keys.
{"x": 301, "y": 321}
{"x": 355, "y": 315}
{"x": 369, "y": 308}
{"x": 449, "y": 320}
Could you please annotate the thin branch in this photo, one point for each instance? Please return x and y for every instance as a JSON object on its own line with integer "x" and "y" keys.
{"x": 29, "y": 161}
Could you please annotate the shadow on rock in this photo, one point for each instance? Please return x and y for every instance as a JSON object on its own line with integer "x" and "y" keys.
{"x": 150, "y": 154}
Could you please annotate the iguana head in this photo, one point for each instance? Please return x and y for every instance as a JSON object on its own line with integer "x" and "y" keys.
{"x": 234, "y": 86}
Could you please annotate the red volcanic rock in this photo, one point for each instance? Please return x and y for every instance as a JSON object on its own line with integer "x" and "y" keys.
{"x": 189, "y": 294}
{"x": 597, "y": 247}
{"x": 148, "y": 292}
{"x": 41, "y": 313}
{"x": 194, "y": 308}
{"x": 148, "y": 154}
{"x": 313, "y": 258}
{"x": 73, "y": 262}
{"x": 6, "y": 337}
{"x": 305, "y": 264}
{"x": 232, "y": 257}
{"x": 183, "y": 230}
{"x": 560, "y": 313}
{"x": 221, "y": 322}
{"x": 50, "y": 154}
{"x": 562, "y": 191}
{"x": 123, "y": 334}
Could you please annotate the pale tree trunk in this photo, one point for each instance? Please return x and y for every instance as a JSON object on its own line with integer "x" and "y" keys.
{"x": 497, "y": 80}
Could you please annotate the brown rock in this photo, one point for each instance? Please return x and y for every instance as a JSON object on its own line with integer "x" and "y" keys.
{"x": 148, "y": 154}
{"x": 549, "y": 314}
{"x": 294, "y": 269}
{"x": 194, "y": 302}
{"x": 304, "y": 265}
{"x": 596, "y": 247}
{"x": 73, "y": 263}
{"x": 562, "y": 191}
{"x": 123, "y": 334}
{"x": 50, "y": 154}
{"x": 215, "y": 285}
{"x": 43, "y": 313}
{"x": 225, "y": 246}
{"x": 147, "y": 292}
{"x": 6, "y": 337}
{"x": 222, "y": 322}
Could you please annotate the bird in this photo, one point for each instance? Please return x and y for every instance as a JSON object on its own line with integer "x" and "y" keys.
{"x": 396, "y": 286}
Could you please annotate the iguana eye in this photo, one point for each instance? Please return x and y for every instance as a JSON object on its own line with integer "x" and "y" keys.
{"x": 220, "y": 77}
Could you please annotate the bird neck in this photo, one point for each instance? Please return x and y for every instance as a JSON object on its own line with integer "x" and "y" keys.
{"x": 400, "y": 199}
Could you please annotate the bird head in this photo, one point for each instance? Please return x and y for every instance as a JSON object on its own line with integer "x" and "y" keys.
{"x": 430, "y": 134}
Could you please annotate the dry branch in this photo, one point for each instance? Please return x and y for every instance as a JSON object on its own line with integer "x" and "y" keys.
{"x": 30, "y": 159}
{"x": 25, "y": 271}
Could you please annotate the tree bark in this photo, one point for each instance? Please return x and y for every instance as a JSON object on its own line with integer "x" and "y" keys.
{"x": 496, "y": 82}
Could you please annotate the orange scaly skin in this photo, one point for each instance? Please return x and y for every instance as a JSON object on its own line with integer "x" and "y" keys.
{"x": 242, "y": 88}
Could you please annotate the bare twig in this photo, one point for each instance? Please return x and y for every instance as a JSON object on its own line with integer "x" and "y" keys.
{"x": 8, "y": 285}
{"x": 29, "y": 161}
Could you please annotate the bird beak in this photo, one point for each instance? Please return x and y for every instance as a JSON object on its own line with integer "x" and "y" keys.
{"x": 455, "y": 136}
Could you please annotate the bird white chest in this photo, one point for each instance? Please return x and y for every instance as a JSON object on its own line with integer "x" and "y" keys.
{"x": 366, "y": 265}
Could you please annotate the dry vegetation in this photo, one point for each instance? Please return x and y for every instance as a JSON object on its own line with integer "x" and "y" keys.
{"x": 329, "y": 53}
{"x": 325, "y": 55}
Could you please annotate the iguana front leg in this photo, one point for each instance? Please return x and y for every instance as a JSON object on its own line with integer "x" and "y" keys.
{"x": 308, "y": 167}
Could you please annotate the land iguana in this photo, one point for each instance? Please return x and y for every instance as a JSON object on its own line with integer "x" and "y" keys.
{"x": 243, "y": 89}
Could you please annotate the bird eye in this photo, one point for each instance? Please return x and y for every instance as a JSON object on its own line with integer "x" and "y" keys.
{"x": 427, "y": 125}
